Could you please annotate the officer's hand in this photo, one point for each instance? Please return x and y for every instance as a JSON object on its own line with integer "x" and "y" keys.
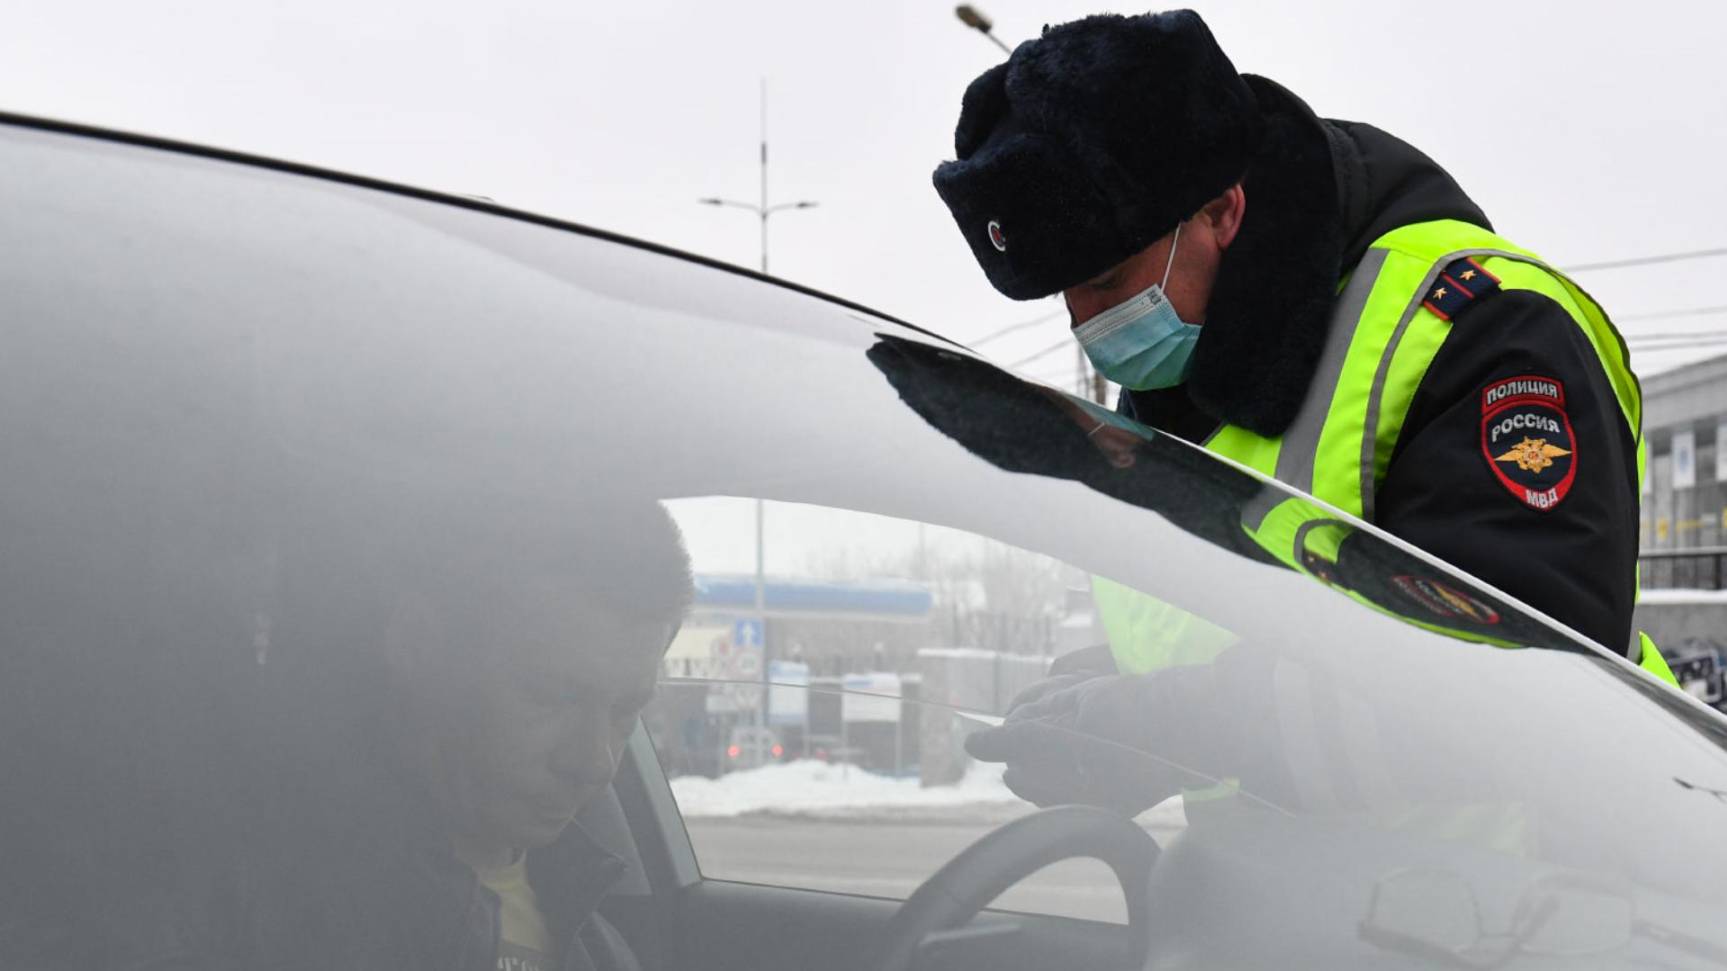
{"x": 1065, "y": 672}
{"x": 1079, "y": 738}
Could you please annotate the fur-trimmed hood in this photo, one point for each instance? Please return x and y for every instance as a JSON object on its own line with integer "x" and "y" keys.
{"x": 1318, "y": 193}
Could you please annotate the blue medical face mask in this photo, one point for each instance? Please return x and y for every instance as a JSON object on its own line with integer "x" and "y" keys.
{"x": 1141, "y": 343}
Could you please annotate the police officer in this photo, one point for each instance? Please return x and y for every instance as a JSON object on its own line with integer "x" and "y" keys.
{"x": 1314, "y": 298}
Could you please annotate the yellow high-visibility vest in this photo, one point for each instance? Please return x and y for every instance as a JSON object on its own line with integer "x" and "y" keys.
{"x": 1380, "y": 342}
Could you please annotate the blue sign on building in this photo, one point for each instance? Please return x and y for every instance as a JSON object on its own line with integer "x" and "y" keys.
{"x": 747, "y": 632}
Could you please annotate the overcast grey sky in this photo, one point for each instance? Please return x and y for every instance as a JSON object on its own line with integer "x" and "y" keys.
{"x": 1590, "y": 131}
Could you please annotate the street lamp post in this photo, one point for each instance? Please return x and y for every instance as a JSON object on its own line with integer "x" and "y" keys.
{"x": 1089, "y": 383}
{"x": 762, "y": 210}
{"x": 974, "y": 18}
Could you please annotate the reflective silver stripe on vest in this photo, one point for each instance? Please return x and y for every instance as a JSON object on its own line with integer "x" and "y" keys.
{"x": 1300, "y": 445}
{"x": 1254, "y": 511}
{"x": 1370, "y": 433}
{"x": 1299, "y": 548}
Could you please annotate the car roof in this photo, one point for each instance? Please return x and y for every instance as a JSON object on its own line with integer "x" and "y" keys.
{"x": 472, "y": 202}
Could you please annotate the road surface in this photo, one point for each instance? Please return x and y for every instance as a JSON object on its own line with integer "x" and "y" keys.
{"x": 888, "y": 856}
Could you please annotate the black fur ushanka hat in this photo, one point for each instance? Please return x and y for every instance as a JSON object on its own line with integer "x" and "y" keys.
{"x": 1092, "y": 142}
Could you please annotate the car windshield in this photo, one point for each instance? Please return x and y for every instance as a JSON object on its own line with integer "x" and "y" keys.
{"x": 333, "y": 517}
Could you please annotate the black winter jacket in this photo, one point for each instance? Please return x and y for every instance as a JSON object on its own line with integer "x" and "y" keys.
{"x": 317, "y": 896}
{"x": 1256, "y": 357}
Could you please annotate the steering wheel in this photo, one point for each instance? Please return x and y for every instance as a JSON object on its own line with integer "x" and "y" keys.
{"x": 1005, "y": 856}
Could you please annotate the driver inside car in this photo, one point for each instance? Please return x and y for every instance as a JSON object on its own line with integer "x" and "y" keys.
{"x": 517, "y": 694}
{"x": 439, "y": 693}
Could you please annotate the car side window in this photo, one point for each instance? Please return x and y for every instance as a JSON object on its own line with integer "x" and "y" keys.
{"x": 882, "y": 643}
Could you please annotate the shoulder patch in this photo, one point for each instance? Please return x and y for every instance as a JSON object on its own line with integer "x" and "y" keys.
{"x": 1447, "y": 602}
{"x": 1459, "y": 285}
{"x": 1526, "y": 439}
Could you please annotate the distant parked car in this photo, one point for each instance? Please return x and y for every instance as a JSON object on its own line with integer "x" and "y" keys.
{"x": 751, "y": 746}
{"x": 1698, "y": 666}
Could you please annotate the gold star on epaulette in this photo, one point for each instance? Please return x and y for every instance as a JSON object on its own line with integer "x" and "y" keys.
{"x": 1467, "y": 275}
{"x": 1439, "y": 294}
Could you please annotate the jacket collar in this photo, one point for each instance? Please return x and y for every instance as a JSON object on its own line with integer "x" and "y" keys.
{"x": 570, "y": 878}
{"x": 1319, "y": 192}
{"x": 1271, "y": 301}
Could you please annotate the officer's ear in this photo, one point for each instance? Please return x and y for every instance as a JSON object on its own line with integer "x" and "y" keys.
{"x": 1223, "y": 215}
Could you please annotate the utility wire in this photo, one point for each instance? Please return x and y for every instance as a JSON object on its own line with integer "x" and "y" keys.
{"x": 1646, "y": 260}
{"x": 1575, "y": 268}
{"x": 1065, "y": 367}
{"x": 1068, "y": 380}
{"x": 1067, "y": 370}
{"x": 1681, "y": 345}
{"x": 1022, "y": 325}
{"x": 1665, "y": 314}
{"x": 1677, "y": 336}
{"x": 1685, "y": 346}
{"x": 1064, "y": 344}
{"x": 1648, "y": 342}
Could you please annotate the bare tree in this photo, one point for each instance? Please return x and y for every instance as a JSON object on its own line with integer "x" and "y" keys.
{"x": 995, "y": 596}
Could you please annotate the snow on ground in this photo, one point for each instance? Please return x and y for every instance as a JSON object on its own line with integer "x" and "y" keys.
{"x": 813, "y": 787}
{"x": 1681, "y": 596}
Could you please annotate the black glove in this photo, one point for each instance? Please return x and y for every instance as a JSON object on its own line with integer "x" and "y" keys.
{"x": 1083, "y": 738}
{"x": 1096, "y": 659}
